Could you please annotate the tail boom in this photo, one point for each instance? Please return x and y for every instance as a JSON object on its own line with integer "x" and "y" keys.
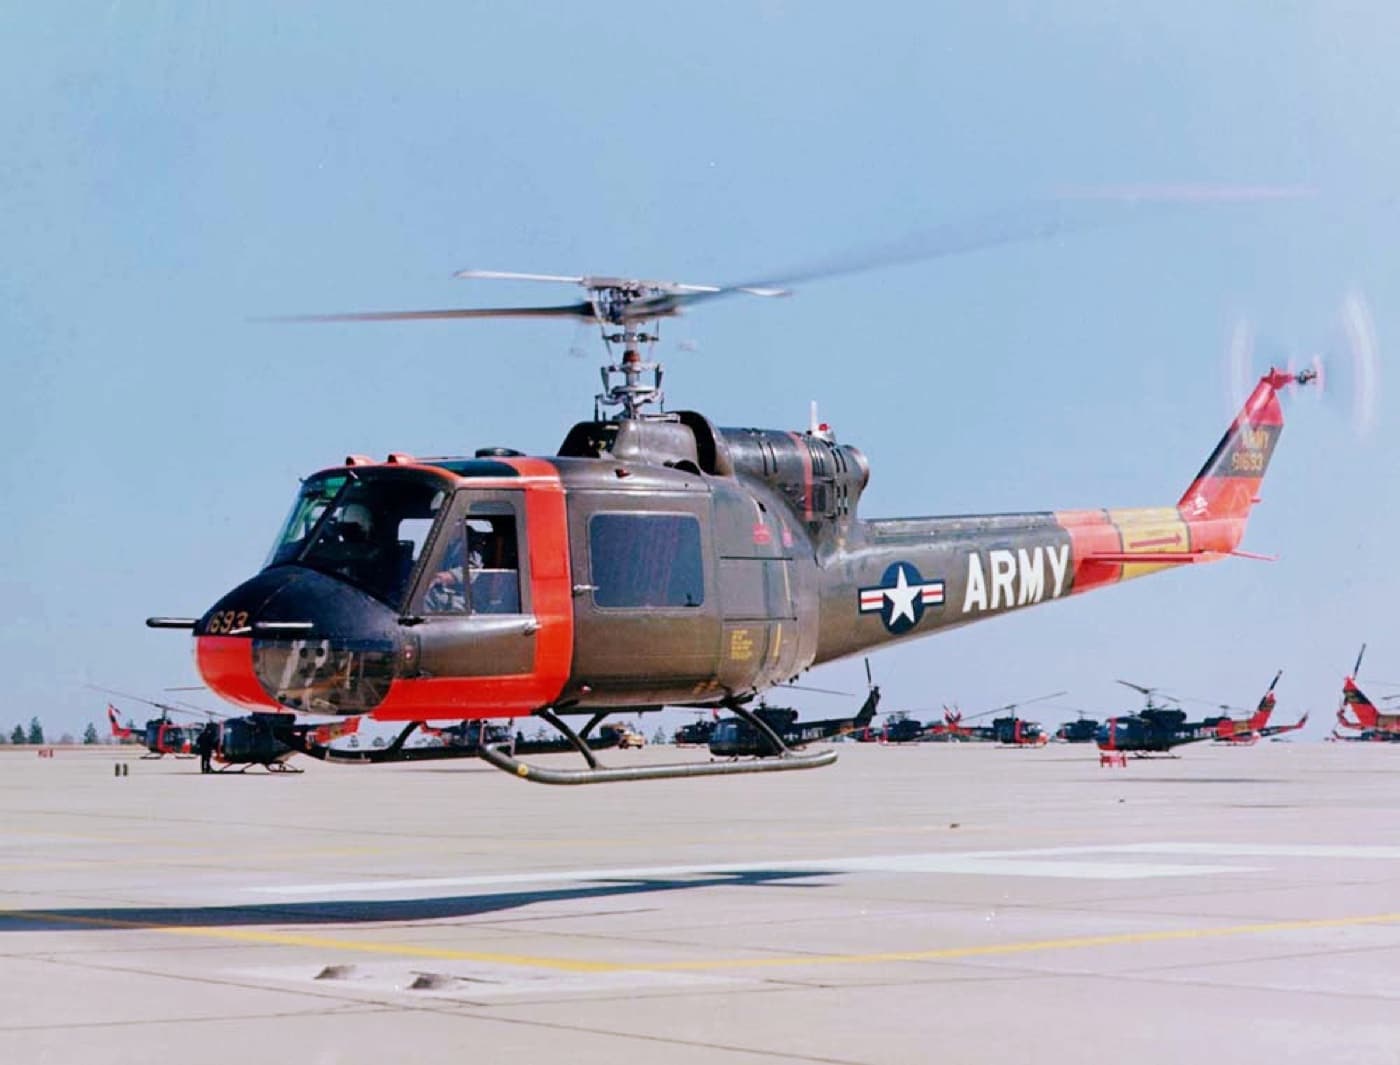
{"x": 909, "y": 577}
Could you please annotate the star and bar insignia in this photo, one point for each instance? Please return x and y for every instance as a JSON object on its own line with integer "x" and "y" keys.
{"x": 900, "y": 597}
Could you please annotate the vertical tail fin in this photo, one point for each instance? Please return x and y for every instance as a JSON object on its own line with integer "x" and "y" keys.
{"x": 1228, "y": 483}
{"x": 119, "y": 732}
{"x": 1266, "y": 705}
{"x": 1366, "y": 713}
{"x": 866, "y": 714}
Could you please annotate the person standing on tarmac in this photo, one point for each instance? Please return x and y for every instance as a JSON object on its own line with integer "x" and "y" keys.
{"x": 206, "y": 742}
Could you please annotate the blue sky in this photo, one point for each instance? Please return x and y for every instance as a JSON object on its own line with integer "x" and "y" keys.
{"x": 175, "y": 169}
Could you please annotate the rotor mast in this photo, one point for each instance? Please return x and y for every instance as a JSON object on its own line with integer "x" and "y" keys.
{"x": 628, "y": 314}
{"x": 617, "y": 327}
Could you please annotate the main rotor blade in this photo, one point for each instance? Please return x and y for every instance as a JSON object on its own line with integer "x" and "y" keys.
{"x": 1015, "y": 705}
{"x": 1137, "y": 687}
{"x": 512, "y": 275}
{"x": 1204, "y": 702}
{"x": 599, "y": 281}
{"x": 820, "y": 691}
{"x": 1039, "y": 220}
{"x": 575, "y": 310}
{"x": 166, "y": 707}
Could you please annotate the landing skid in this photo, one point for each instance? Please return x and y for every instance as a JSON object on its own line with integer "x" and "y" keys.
{"x": 783, "y": 758}
{"x": 271, "y": 767}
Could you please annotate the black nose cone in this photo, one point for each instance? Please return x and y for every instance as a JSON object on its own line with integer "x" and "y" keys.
{"x": 319, "y": 645}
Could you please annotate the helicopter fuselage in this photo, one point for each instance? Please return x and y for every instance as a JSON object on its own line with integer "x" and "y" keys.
{"x": 653, "y": 561}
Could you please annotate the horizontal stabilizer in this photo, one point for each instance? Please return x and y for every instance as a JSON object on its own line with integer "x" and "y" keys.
{"x": 1173, "y": 558}
{"x": 1155, "y": 557}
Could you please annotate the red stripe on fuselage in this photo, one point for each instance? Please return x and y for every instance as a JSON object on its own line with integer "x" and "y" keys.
{"x": 551, "y": 589}
{"x": 1090, "y": 533}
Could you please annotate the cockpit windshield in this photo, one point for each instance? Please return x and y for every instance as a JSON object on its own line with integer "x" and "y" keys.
{"x": 369, "y": 530}
{"x": 315, "y": 497}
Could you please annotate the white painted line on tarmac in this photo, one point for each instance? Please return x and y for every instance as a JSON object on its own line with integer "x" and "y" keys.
{"x": 1258, "y": 850}
{"x": 1032, "y": 863}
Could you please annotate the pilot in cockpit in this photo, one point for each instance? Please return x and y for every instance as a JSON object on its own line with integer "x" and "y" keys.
{"x": 447, "y": 592}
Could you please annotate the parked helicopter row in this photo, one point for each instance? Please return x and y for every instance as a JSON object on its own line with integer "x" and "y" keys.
{"x": 1155, "y": 729}
{"x": 269, "y": 739}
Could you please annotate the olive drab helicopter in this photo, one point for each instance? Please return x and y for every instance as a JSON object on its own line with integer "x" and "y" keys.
{"x": 656, "y": 559}
{"x": 734, "y": 738}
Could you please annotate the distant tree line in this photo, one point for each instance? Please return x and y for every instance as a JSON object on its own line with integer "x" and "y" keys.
{"x": 33, "y": 736}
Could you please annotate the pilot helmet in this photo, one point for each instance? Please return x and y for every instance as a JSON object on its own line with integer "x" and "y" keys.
{"x": 356, "y": 521}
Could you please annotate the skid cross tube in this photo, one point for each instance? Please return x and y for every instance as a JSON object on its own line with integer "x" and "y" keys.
{"x": 578, "y": 742}
{"x": 786, "y": 759}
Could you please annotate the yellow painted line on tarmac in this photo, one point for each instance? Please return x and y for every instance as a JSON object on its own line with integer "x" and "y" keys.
{"x": 583, "y": 965}
{"x": 349, "y": 946}
{"x": 1027, "y": 947}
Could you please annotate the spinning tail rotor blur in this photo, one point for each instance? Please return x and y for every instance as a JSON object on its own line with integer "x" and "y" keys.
{"x": 1346, "y": 361}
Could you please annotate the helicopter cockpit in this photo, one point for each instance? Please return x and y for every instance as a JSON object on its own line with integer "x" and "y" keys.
{"x": 366, "y": 530}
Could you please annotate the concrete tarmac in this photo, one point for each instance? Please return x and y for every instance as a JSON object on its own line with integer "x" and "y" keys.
{"x": 911, "y": 904}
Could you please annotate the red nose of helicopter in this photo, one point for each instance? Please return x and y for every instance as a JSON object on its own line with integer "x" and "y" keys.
{"x": 293, "y": 638}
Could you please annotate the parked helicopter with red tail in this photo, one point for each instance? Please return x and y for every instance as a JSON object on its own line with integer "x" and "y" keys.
{"x": 656, "y": 559}
{"x": 1369, "y": 724}
{"x": 1009, "y": 729}
{"x": 1158, "y": 728}
{"x": 1252, "y": 729}
{"x": 160, "y": 736}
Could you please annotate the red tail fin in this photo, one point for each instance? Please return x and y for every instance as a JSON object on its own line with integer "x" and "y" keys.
{"x": 1266, "y": 705}
{"x": 1228, "y": 483}
{"x": 1366, "y": 713}
{"x": 119, "y": 732}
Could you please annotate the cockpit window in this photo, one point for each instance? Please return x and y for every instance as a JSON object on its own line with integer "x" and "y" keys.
{"x": 480, "y": 568}
{"x": 316, "y": 495}
{"x": 374, "y": 532}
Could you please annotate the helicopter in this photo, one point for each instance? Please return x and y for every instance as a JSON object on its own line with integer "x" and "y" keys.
{"x": 1080, "y": 730}
{"x": 698, "y": 732}
{"x": 656, "y": 559}
{"x": 1368, "y": 722}
{"x": 1157, "y": 728}
{"x": 160, "y": 736}
{"x": 1008, "y": 730}
{"x": 899, "y": 728}
{"x": 734, "y": 738}
{"x": 262, "y": 738}
{"x": 1250, "y": 730}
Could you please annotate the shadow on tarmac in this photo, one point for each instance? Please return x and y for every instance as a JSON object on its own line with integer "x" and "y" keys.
{"x": 367, "y": 911}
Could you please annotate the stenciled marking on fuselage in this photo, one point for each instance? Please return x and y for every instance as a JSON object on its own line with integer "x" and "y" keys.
{"x": 1015, "y": 577}
{"x": 900, "y": 597}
